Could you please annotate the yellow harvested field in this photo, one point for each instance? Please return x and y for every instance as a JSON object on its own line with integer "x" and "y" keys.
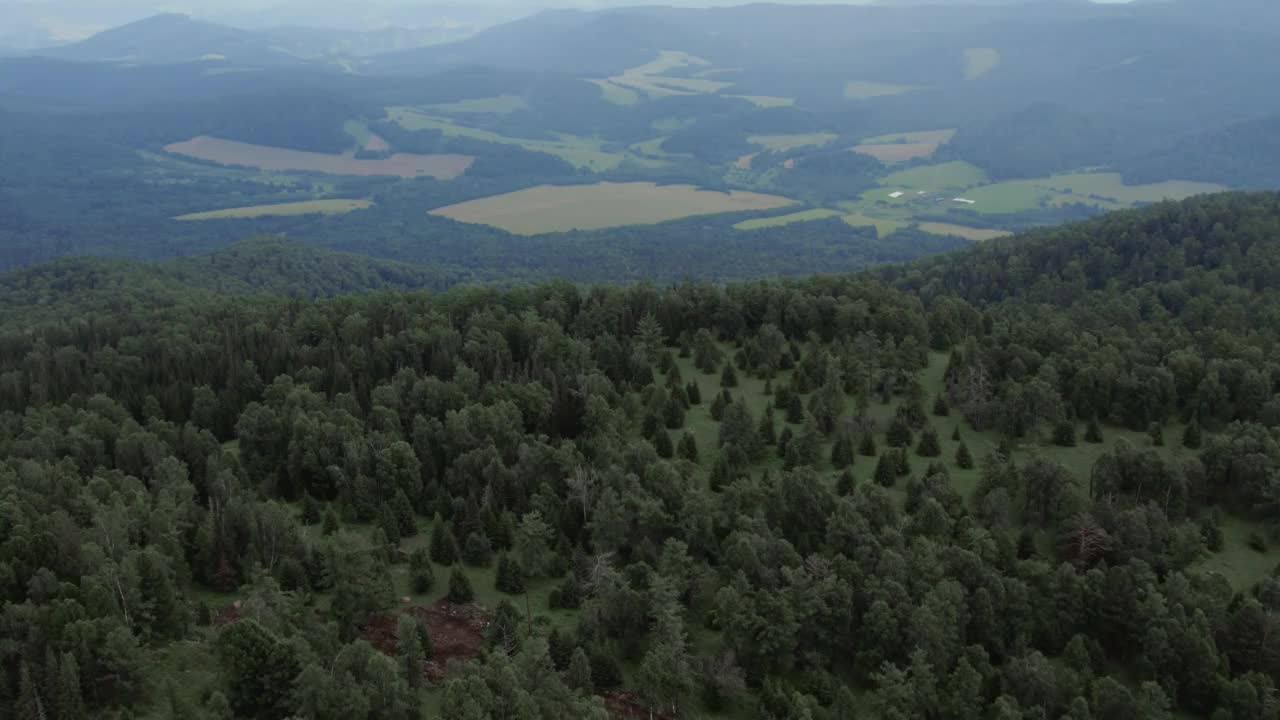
{"x": 307, "y": 207}
{"x": 862, "y": 90}
{"x": 405, "y": 165}
{"x": 897, "y": 152}
{"x": 900, "y": 147}
{"x": 783, "y": 143}
{"x": 560, "y": 208}
{"x": 979, "y": 62}
{"x": 964, "y": 231}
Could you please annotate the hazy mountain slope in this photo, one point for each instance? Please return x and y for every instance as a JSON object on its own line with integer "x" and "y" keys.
{"x": 173, "y": 38}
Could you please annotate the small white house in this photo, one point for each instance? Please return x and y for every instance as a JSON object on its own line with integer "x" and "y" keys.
{"x": 966, "y": 201}
{"x": 896, "y": 195}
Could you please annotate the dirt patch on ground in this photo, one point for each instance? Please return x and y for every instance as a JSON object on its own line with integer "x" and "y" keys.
{"x": 457, "y": 634}
{"x": 625, "y": 706}
{"x": 744, "y": 162}
{"x": 376, "y": 143}
{"x": 262, "y": 157}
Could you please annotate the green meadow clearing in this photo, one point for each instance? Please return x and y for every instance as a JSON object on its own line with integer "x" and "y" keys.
{"x": 306, "y": 207}
{"x": 783, "y": 143}
{"x": 863, "y": 90}
{"x": 561, "y": 208}
{"x": 979, "y": 62}
{"x": 780, "y": 220}
{"x": 498, "y": 105}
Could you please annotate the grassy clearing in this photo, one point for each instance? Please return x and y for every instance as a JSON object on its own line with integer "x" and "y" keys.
{"x": 405, "y": 165}
{"x": 898, "y": 152}
{"x": 884, "y": 226}
{"x": 549, "y": 208}
{"x": 939, "y": 137}
{"x": 1007, "y": 197}
{"x": 979, "y": 62}
{"x": 498, "y": 105}
{"x": 578, "y": 151}
{"x": 616, "y": 94}
{"x": 1110, "y": 186}
{"x": 964, "y": 231}
{"x": 780, "y": 220}
{"x": 649, "y": 78}
{"x": 863, "y": 90}
{"x": 783, "y": 143}
{"x": 946, "y": 176}
{"x": 766, "y": 101}
{"x": 308, "y": 207}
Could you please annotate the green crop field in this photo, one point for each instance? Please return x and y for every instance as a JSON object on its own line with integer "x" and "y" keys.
{"x": 979, "y": 62}
{"x": 946, "y": 176}
{"x": 498, "y": 105}
{"x": 307, "y": 207}
{"x": 766, "y": 101}
{"x": 560, "y": 208}
{"x": 577, "y": 151}
{"x": 1111, "y": 186}
{"x": 783, "y": 143}
{"x": 405, "y": 165}
{"x": 616, "y": 94}
{"x": 884, "y": 226}
{"x": 863, "y": 90}
{"x": 964, "y": 231}
{"x": 780, "y": 220}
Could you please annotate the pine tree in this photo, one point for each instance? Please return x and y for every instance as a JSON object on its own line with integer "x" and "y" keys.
{"x": 460, "y": 590}
{"x": 30, "y": 705}
{"x": 768, "y": 432}
{"x": 1156, "y": 433}
{"x": 1191, "y": 436}
{"x": 69, "y": 700}
{"x": 444, "y": 546}
{"x": 673, "y": 414}
{"x": 768, "y": 388}
{"x": 904, "y": 462}
{"x": 842, "y": 452}
{"x": 405, "y": 517}
{"x": 662, "y": 443}
{"x": 955, "y": 434}
{"x": 477, "y": 551}
{"x": 899, "y": 434}
{"x": 729, "y": 376}
{"x": 867, "y": 446}
{"x": 929, "y": 445}
{"x": 964, "y": 460}
{"x": 688, "y": 447}
{"x": 887, "y": 469}
{"x": 389, "y": 525}
{"x": 795, "y": 409}
{"x": 311, "y": 510}
{"x": 717, "y": 408}
{"x": 784, "y": 441}
{"x": 422, "y": 574}
{"x": 1093, "y": 433}
{"x": 845, "y": 483}
{"x": 510, "y": 577}
{"x": 331, "y": 523}
{"x": 940, "y": 406}
{"x": 578, "y": 676}
{"x": 1064, "y": 434}
{"x": 409, "y": 650}
{"x": 694, "y": 393}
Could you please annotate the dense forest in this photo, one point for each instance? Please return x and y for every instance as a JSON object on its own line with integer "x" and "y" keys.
{"x": 1032, "y": 479}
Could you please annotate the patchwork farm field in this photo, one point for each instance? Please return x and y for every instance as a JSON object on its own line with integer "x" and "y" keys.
{"x": 550, "y": 208}
{"x": 783, "y": 143}
{"x": 900, "y": 147}
{"x": 404, "y": 165}
{"x": 307, "y": 207}
{"x": 780, "y": 220}
{"x": 964, "y": 231}
{"x": 578, "y": 151}
{"x": 863, "y": 90}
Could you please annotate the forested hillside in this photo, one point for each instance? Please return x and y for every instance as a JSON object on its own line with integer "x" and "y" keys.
{"x": 1034, "y": 479}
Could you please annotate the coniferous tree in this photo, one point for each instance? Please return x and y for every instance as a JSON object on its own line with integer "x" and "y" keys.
{"x": 768, "y": 431}
{"x": 929, "y": 445}
{"x": 784, "y": 441}
{"x": 331, "y": 523}
{"x": 846, "y": 482}
{"x": 477, "y": 551}
{"x": 717, "y": 408}
{"x": 1093, "y": 433}
{"x": 510, "y": 576}
{"x": 422, "y": 574}
{"x": 688, "y": 447}
{"x": 444, "y": 546}
{"x": 899, "y": 434}
{"x": 412, "y": 657}
{"x": 662, "y": 443}
{"x": 578, "y": 676}
{"x": 1156, "y": 433}
{"x": 1064, "y": 433}
{"x": 69, "y": 699}
{"x": 694, "y": 393}
{"x": 673, "y": 416}
{"x": 729, "y": 376}
{"x": 405, "y": 517}
{"x": 795, "y": 409}
{"x": 940, "y": 406}
{"x": 389, "y": 525}
{"x": 460, "y": 591}
{"x": 867, "y": 446}
{"x": 842, "y": 451}
{"x": 955, "y": 434}
{"x": 887, "y": 469}
{"x": 964, "y": 460}
{"x": 1191, "y": 436}
{"x": 311, "y": 510}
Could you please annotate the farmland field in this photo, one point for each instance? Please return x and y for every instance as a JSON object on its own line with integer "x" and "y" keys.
{"x": 862, "y": 90}
{"x": 1111, "y": 186}
{"x": 937, "y": 137}
{"x": 900, "y": 147}
{"x": 783, "y": 143}
{"x": 649, "y": 78}
{"x": 766, "y": 101}
{"x": 307, "y": 207}
{"x": 549, "y": 208}
{"x": 500, "y": 104}
{"x": 950, "y": 175}
{"x": 780, "y": 220}
{"x": 616, "y": 94}
{"x": 979, "y": 62}
{"x": 405, "y": 165}
{"x": 577, "y": 151}
{"x": 964, "y": 231}
{"x": 884, "y": 226}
